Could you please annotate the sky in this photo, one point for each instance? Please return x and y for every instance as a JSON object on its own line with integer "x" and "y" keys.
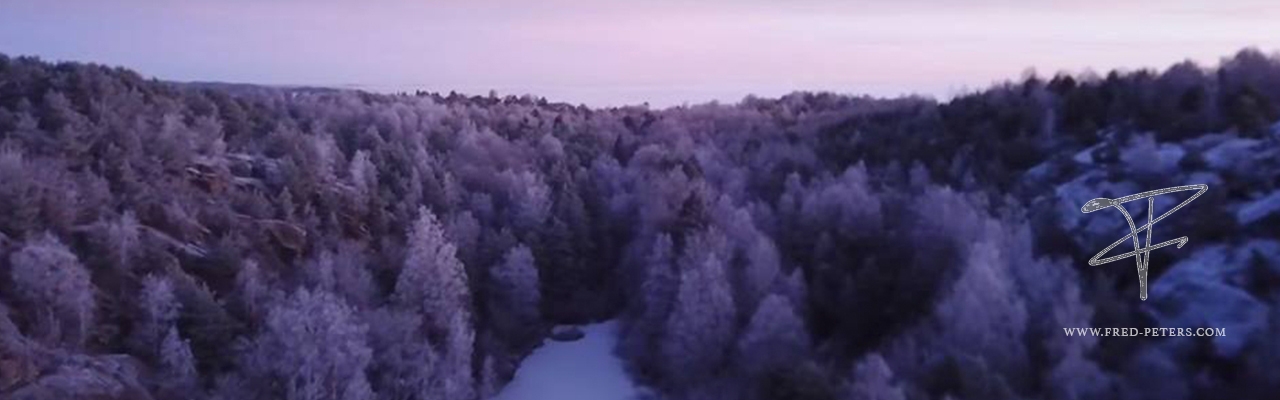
{"x": 615, "y": 52}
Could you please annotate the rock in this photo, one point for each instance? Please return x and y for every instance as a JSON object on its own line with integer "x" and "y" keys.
{"x": 1043, "y": 178}
{"x": 1202, "y": 291}
{"x": 1153, "y": 374}
{"x": 1144, "y": 157}
{"x": 190, "y": 249}
{"x": 1259, "y": 209}
{"x": 1234, "y": 154}
{"x": 288, "y": 235}
{"x": 1170, "y": 155}
{"x": 566, "y": 333}
{"x": 1086, "y": 156}
{"x": 208, "y": 174}
{"x": 1208, "y": 141}
{"x": 1042, "y": 173}
{"x": 1268, "y": 249}
{"x": 1099, "y": 229}
{"x": 1204, "y": 178}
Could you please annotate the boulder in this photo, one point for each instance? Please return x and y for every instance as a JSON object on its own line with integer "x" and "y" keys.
{"x": 1169, "y": 156}
{"x": 286, "y": 234}
{"x": 1205, "y": 290}
{"x": 1144, "y": 157}
{"x": 1086, "y": 156}
{"x": 1258, "y": 209}
{"x": 1153, "y": 374}
{"x": 1234, "y": 154}
{"x": 1099, "y": 229}
{"x": 1204, "y": 178}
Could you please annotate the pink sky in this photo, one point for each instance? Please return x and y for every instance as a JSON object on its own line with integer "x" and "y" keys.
{"x": 624, "y": 52}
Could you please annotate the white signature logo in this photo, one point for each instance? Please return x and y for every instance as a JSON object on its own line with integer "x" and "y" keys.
{"x": 1139, "y": 253}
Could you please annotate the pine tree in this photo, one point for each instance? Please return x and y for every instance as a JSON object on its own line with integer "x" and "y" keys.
{"x": 517, "y": 276}
{"x": 873, "y": 380}
{"x": 700, "y": 328}
{"x": 432, "y": 281}
{"x": 983, "y": 314}
{"x": 160, "y": 308}
{"x": 177, "y": 362}
{"x": 775, "y": 338}
{"x": 516, "y": 293}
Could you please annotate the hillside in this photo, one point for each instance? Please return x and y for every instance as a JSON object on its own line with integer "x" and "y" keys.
{"x": 207, "y": 241}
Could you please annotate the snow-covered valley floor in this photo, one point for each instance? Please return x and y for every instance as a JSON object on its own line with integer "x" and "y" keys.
{"x": 585, "y": 369}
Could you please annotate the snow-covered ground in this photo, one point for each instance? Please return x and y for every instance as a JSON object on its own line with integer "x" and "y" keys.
{"x": 580, "y": 370}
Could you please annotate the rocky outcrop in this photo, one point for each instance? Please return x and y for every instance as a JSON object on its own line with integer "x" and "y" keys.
{"x": 1209, "y": 289}
{"x": 1224, "y": 279}
{"x": 1091, "y": 231}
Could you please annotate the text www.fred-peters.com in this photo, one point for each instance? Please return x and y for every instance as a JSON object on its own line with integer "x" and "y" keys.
{"x": 1148, "y": 332}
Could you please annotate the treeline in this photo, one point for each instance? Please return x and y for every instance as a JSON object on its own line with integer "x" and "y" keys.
{"x": 174, "y": 241}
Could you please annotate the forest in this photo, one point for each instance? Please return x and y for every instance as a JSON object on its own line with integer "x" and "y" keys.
{"x": 163, "y": 240}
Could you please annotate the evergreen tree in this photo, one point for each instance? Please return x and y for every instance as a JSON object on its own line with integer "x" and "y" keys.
{"x": 775, "y": 338}
{"x": 700, "y": 327}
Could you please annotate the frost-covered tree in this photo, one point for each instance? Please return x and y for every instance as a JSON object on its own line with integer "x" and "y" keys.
{"x": 121, "y": 239}
{"x": 660, "y": 283}
{"x": 846, "y": 208}
{"x": 19, "y": 192}
{"x": 700, "y": 328}
{"x": 50, "y": 280}
{"x": 432, "y": 280}
{"x": 657, "y": 295}
{"x": 488, "y": 385}
{"x": 464, "y": 231}
{"x": 759, "y": 266}
{"x": 364, "y": 176}
{"x": 177, "y": 364}
{"x": 342, "y": 273}
{"x": 252, "y": 290}
{"x": 846, "y": 204}
{"x": 311, "y": 347}
{"x": 874, "y": 380}
{"x": 530, "y": 199}
{"x": 761, "y": 272}
{"x": 159, "y": 306}
{"x": 454, "y": 372}
{"x": 984, "y": 315}
{"x": 434, "y": 283}
{"x": 404, "y": 365}
{"x": 159, "y": 312}
{"x": 516, "y": 294}
{"x": 774, "y": 338}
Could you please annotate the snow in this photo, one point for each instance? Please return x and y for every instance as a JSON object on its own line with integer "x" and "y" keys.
{"x": 585, "y": 369}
